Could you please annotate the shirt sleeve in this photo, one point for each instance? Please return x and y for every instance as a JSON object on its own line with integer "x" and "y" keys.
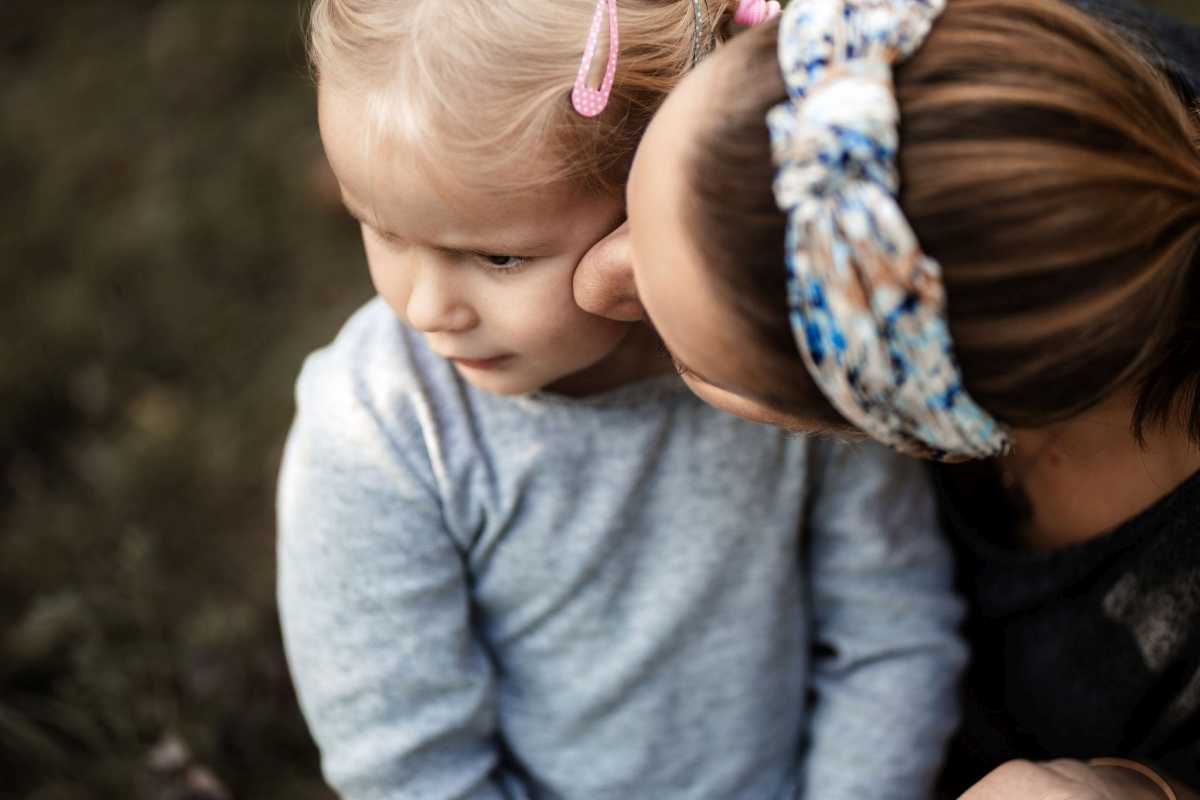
{"x": 375, "y": 609}
{"x": 887, "y": 653}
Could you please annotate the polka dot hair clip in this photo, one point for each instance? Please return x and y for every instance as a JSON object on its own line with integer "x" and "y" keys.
{"x": 587, "y": 101}
{"x": 756, "y": 12}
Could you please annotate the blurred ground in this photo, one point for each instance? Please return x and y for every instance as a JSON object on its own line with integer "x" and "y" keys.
{"x": 170, "y": 249}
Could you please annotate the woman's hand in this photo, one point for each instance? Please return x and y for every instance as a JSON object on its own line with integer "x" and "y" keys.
{"x": 1063, "y": 779}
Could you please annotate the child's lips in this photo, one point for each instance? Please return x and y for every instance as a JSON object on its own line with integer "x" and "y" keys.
{"x": 480, "y": 363}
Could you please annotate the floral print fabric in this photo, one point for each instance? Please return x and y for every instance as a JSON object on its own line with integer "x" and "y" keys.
{"x": 867, "y": 305}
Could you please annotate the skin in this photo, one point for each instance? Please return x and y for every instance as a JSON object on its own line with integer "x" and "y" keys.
{"x": 1082, "y": 477}
{"x": 1064, "y": 779}
{"x": 486, "y": 278}
{"x": 649, "y": 269}
{"x": 1087, "y": 475}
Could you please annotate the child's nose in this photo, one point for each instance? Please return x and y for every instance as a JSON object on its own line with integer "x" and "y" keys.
{"x": 435, "y": 304}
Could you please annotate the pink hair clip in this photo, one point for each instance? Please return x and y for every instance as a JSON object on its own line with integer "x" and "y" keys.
{"x": 588, "y": 101}
{"x": 752, "y": 12}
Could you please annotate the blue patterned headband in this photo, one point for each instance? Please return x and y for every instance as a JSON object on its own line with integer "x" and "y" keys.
{"x": 867, "y": 306}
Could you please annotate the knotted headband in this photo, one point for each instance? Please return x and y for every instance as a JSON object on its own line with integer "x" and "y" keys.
{"x": 867, "y": 305}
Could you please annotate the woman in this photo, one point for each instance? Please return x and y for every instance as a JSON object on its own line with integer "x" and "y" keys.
{"x": 1053, "y": 176}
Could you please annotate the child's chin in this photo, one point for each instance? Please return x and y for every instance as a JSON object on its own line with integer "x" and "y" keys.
{"x": 503, "y": 385}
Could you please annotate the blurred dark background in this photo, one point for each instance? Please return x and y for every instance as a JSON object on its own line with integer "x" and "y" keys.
{"x": 171, "y": 245}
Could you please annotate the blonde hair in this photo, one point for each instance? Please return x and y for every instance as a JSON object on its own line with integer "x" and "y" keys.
{"x": 486, "y": 84}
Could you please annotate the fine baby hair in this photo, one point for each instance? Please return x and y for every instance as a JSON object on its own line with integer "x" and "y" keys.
{"x": 487, "y": 84}
{"x": 1048, "y": 167}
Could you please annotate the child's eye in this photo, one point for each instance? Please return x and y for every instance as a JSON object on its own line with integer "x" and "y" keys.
{"x": 501, "y": 263}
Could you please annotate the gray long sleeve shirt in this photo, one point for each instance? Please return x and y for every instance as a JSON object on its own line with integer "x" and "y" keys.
{"x": 619, "y": 597}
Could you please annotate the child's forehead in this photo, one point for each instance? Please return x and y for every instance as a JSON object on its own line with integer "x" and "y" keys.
{"x": 391, "y": 182}
{"x": 375, "y": 127}
{"x": 386, "y": 122}
{"x": 414, "y": 188}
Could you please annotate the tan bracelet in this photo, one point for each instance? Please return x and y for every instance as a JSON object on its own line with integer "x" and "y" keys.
{"x": 1145, "y": 771}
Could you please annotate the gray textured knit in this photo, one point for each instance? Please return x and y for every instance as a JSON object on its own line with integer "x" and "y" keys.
{"x": 623, "y": 597}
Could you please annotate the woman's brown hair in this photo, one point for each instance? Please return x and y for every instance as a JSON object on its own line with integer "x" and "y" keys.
{"x": 1050, "y": 169}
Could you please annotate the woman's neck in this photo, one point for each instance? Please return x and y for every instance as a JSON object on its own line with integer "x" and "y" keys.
{"x": 1087, "y": 475}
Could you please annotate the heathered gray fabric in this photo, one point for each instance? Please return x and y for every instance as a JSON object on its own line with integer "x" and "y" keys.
{"x": 609, "y": 598}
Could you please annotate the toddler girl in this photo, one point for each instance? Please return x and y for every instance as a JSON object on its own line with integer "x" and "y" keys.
{"x": 511, "y": 563}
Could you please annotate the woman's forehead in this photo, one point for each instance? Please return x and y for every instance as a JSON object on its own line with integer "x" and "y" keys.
{"x": 674, "y": 288}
